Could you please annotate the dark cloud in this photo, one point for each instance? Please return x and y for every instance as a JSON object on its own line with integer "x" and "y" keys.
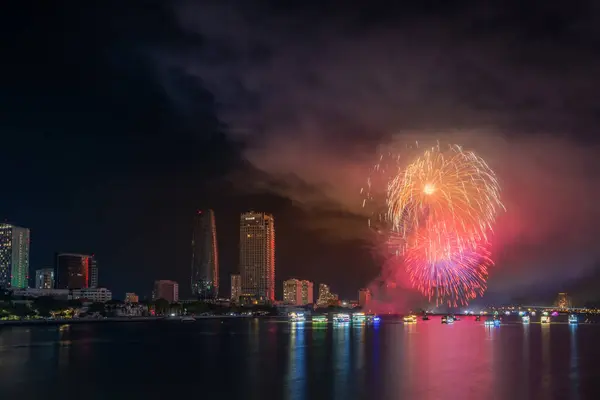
{"x": 312, "y": 94}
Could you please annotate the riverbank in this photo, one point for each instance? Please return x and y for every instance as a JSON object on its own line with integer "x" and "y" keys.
{"x": 109, "y": 319}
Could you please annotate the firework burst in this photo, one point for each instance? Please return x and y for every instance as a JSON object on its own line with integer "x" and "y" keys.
{"x": 438, "y": 215}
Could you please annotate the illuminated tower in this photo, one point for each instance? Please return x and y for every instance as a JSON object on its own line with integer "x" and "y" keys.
{"x": 75, "y": 271}
{"x": 257, "y": 255}
{"x": 205, "y": 257}
{"x": 14, "y": 256}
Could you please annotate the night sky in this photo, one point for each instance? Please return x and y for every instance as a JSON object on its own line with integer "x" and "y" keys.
{"x": 120, "y": 119}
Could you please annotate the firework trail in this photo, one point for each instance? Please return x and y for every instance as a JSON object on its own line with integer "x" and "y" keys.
{"x": 438, "y": 212}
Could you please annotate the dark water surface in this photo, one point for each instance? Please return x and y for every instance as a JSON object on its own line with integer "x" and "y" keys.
{"x": 262, "y": 359}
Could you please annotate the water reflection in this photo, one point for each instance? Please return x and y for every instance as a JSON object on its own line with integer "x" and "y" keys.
{"x": 574, "y": 363}
{"x": 296, "y": 362}
{"x": 545, "y": 378}
{"x": 341, "y": 360}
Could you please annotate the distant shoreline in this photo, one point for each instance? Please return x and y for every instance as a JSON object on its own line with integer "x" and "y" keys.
{"x": 109, "y": 319}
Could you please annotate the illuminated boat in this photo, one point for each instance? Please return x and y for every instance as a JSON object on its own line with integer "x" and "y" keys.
{"x": 410, "y": 319}
{"x": 447, "y": 320}
{"x": 341, "y": 318}
{"x": 319, "y": 319}
{"x": 358, "y": 318}
{"x": 573, "y": 319}
{"x": 525, "y": 319}
{"x": 545, "y": 319}
{"x": 373, "y": 319}
{"x": 478, "y": 318}
{"x": 297, "y": 317}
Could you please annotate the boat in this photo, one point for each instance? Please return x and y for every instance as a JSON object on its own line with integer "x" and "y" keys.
{"x": 319, "y": 319}
{"x": 525, "y": 319}
{"x": 425, "y": 318}
{"x": 573, "y": 319}
{"x": 478, "y": 318}
{"x": 358, "y": 318}
{"x": 297, "y": 317}
{"x": 410, "y": 319}
{"x": 447, "y": 319}
{"x": 373, "y": 319}
{"x": 341, "y": 318}
{"x": 188, "y": 318}
{"x": 545, "y": 319}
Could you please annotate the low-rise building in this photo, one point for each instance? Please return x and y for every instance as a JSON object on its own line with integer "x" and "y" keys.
{"x": 95, "y": 295}
{"x": 34, "y": 293}
{"x": 131, "y": 298}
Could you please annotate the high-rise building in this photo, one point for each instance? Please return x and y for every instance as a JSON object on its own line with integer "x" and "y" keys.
{"x": 307, "y": 292}
{"x": 257, "y": 255}
{"x": 236, "y": 287}
{"x": 292, "y": 292}
{"x": 297, "y": 292}
{"x": 93, "y": 273}
{"x": 44, "y": 278}
{"x": 364, "y": 297}
{"x": 75, "y": 271}
{"x": 325, "y": 295}
{"x": 131, "y": 298}
{"x": 205, "y": 257}
{"x": 14, "y": 256}
{"x": 168, "y": 290}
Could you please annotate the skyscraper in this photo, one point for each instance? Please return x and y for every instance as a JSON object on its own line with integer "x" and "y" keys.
{"x": 236, "y": 287}
{"x": 75, "y": 271}
{"x": 14, "y": 256}
{"x": 257, "y": 255}
{"x": 205, "y": 257}
{"x": 44, "y": 278}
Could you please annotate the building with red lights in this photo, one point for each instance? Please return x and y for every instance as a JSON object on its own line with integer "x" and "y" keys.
{"x": 75, "y": 271}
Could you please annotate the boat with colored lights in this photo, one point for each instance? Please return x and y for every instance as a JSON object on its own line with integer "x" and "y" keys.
{"x": 297, "y": 317}
{"x": 446, "y": 319}
{"x": 410, "y": 319}
{"x": 319, "y": 319}
{"x": 341, "y": 318}
{"x": 573, "y": 319}
{"x": 373, "y": 319}
{"x": 358, "y": 318}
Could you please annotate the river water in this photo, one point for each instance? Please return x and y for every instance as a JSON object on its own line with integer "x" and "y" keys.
{"x": 267, "y": 359}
